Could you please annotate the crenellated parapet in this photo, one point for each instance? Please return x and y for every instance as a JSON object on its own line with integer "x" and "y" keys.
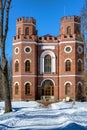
{"x": 19, "y": 38}
{"x": 78, "y": 37}
{"x": 48, "y": 38}
{"x": 71, "y": 19}
{"x": 26, "y": 20}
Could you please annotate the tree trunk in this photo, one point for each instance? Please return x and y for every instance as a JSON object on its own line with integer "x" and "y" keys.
{"x": 5, "y": 80}
{"x": 5, "y": 83}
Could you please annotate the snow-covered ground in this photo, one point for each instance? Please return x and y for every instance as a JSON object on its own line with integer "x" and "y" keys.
{"x": 33, "y": 116}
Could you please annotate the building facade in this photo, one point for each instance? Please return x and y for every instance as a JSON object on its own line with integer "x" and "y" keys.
{"x": 48, "y": 66}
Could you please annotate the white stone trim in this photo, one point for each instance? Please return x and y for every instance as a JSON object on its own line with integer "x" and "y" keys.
{"x": 16, "y": 60}
{"x": 24, "y": 75}
{"x": 68, "y": 59}
{"x": 47, "y": 79}
{"x": 80, "y": 60}
{"x": 68, "y": 51}
{"x": 16, "y": 83}
{"x": 71, "y": 76}
{"x": 29, "y": 51}
{"x": 26, "y": 24}
{"x": 24, "y": 42}
{"x": 26, "y": 60}
{"x": 70, "y": 42}
{"x": 80, "y": 47}
{"x": 48, "y": 43}
{"x": 69, "y": 23}
{"x": 27, "y": 82}
{"x": 53, "y": 65}
{"x": 67, "y": 82}
{"x": 79, "y": 83}
{"x": 47, "y": 47}
{"x": 60, "y": 76}
{"x": 15, "y": 50}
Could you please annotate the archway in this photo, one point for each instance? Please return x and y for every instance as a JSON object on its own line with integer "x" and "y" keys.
{"x": 47, "y": 88}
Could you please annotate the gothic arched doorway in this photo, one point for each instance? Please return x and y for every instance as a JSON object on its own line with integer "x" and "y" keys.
{"x": 47, "y": 88}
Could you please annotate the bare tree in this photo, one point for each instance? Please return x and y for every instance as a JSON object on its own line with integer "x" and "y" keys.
{"x": 84, "y": 32}
{"x": 4, "y": 18}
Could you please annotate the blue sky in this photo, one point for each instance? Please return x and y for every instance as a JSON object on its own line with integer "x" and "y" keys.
{"x": 46, "y": 12}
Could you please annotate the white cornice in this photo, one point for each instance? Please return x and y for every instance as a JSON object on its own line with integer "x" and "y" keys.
{"x": 60, "y": 76}
{"x": 70, "y": 22}
{"x": 24, "y": 42}
{"x": 75, "y": 41}
{"x": 48, "y": 43}
{"x": 26, "y": 24}
{"x": 24, "y": 75}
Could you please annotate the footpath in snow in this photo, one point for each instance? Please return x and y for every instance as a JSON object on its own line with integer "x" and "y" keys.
{"x": 33, "y": 116}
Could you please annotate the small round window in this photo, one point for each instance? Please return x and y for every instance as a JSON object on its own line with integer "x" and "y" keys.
{"x": 80, "y": 49}
{"x": 27, "y": 49}
{"x": 68, "y": 49}
{"x": 16, "y": 50}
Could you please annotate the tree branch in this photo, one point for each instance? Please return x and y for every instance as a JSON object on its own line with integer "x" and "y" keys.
{"x": 7, "y": 15}
{"x": 4, "y": 4}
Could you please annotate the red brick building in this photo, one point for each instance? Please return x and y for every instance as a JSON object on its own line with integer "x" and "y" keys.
{"x": 48, "y": 66}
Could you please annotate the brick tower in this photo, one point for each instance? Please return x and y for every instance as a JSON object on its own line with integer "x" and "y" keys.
{"x": 71, "y": 58}
{"x": 24, "y": 60}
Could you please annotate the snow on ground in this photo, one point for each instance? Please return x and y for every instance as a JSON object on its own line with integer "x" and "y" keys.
{"x": 33, "y": 116}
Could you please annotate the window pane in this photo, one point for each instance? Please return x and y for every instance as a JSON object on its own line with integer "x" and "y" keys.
{"x": 68, "y": 65}
{"x": 27, "y": 66}
{"x": 47, "y": 63}
{"x": 16, "y": 66}
{"x": 67, "y": 89}
{"x": 27, "y": 89}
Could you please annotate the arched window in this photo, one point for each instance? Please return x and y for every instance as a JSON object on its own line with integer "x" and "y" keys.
{"x": 19, "y": 31}
{"x": 27, "y": 89}
{"x": 26, "y": 31}
{"x": 79, "y": 92}
{"x": 67, "y": 88}
{"x": 68, "y": 65}
{"x": 27, "y": 66}
{"x": 16, "y": 89}
{"x": 69, "y": 30}
{"x": 47, "y": 64}
{"x": 79, "y": 64}
{"x": 16, "y": 66}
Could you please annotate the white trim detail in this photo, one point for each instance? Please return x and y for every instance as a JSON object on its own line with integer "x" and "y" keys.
{"x": 67, "y": 82}
{"x": 71, "y": 76}
{"x": 26, "y": 60}
{"x": 15, "y": 50}
{"x": 26, "y": 51}
{"x": 66, "y": 48}
{"x": 79, "y": 83}
{"x": 26, "y": 24}
{"x": 24, "y": 42}
{"x": 60, "y": 76}
{"x": 53, "y": 59}
{"x": 48, "y": 43}
{"x": 16, "y": 60}
{"x": 27, "y": 82}
{"x": 24, "y": 76}
{"x": 16, "y": 83}
{"x": 71, "y": 42}
{"x": 80, "y": 60}
{"x": 69, "y": 22}
{"x": 67, "y": 59}
{"x": 47, "y": 47}
{"x": 47, "y": 79}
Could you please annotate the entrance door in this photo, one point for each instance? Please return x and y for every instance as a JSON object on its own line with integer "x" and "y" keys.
{"x": 48, "y": 89}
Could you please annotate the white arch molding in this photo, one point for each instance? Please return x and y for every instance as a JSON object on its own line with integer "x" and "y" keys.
{"x": 67, "y": 82}
{"x": 53, "y": 65}
{"x": 48, "y": 79}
